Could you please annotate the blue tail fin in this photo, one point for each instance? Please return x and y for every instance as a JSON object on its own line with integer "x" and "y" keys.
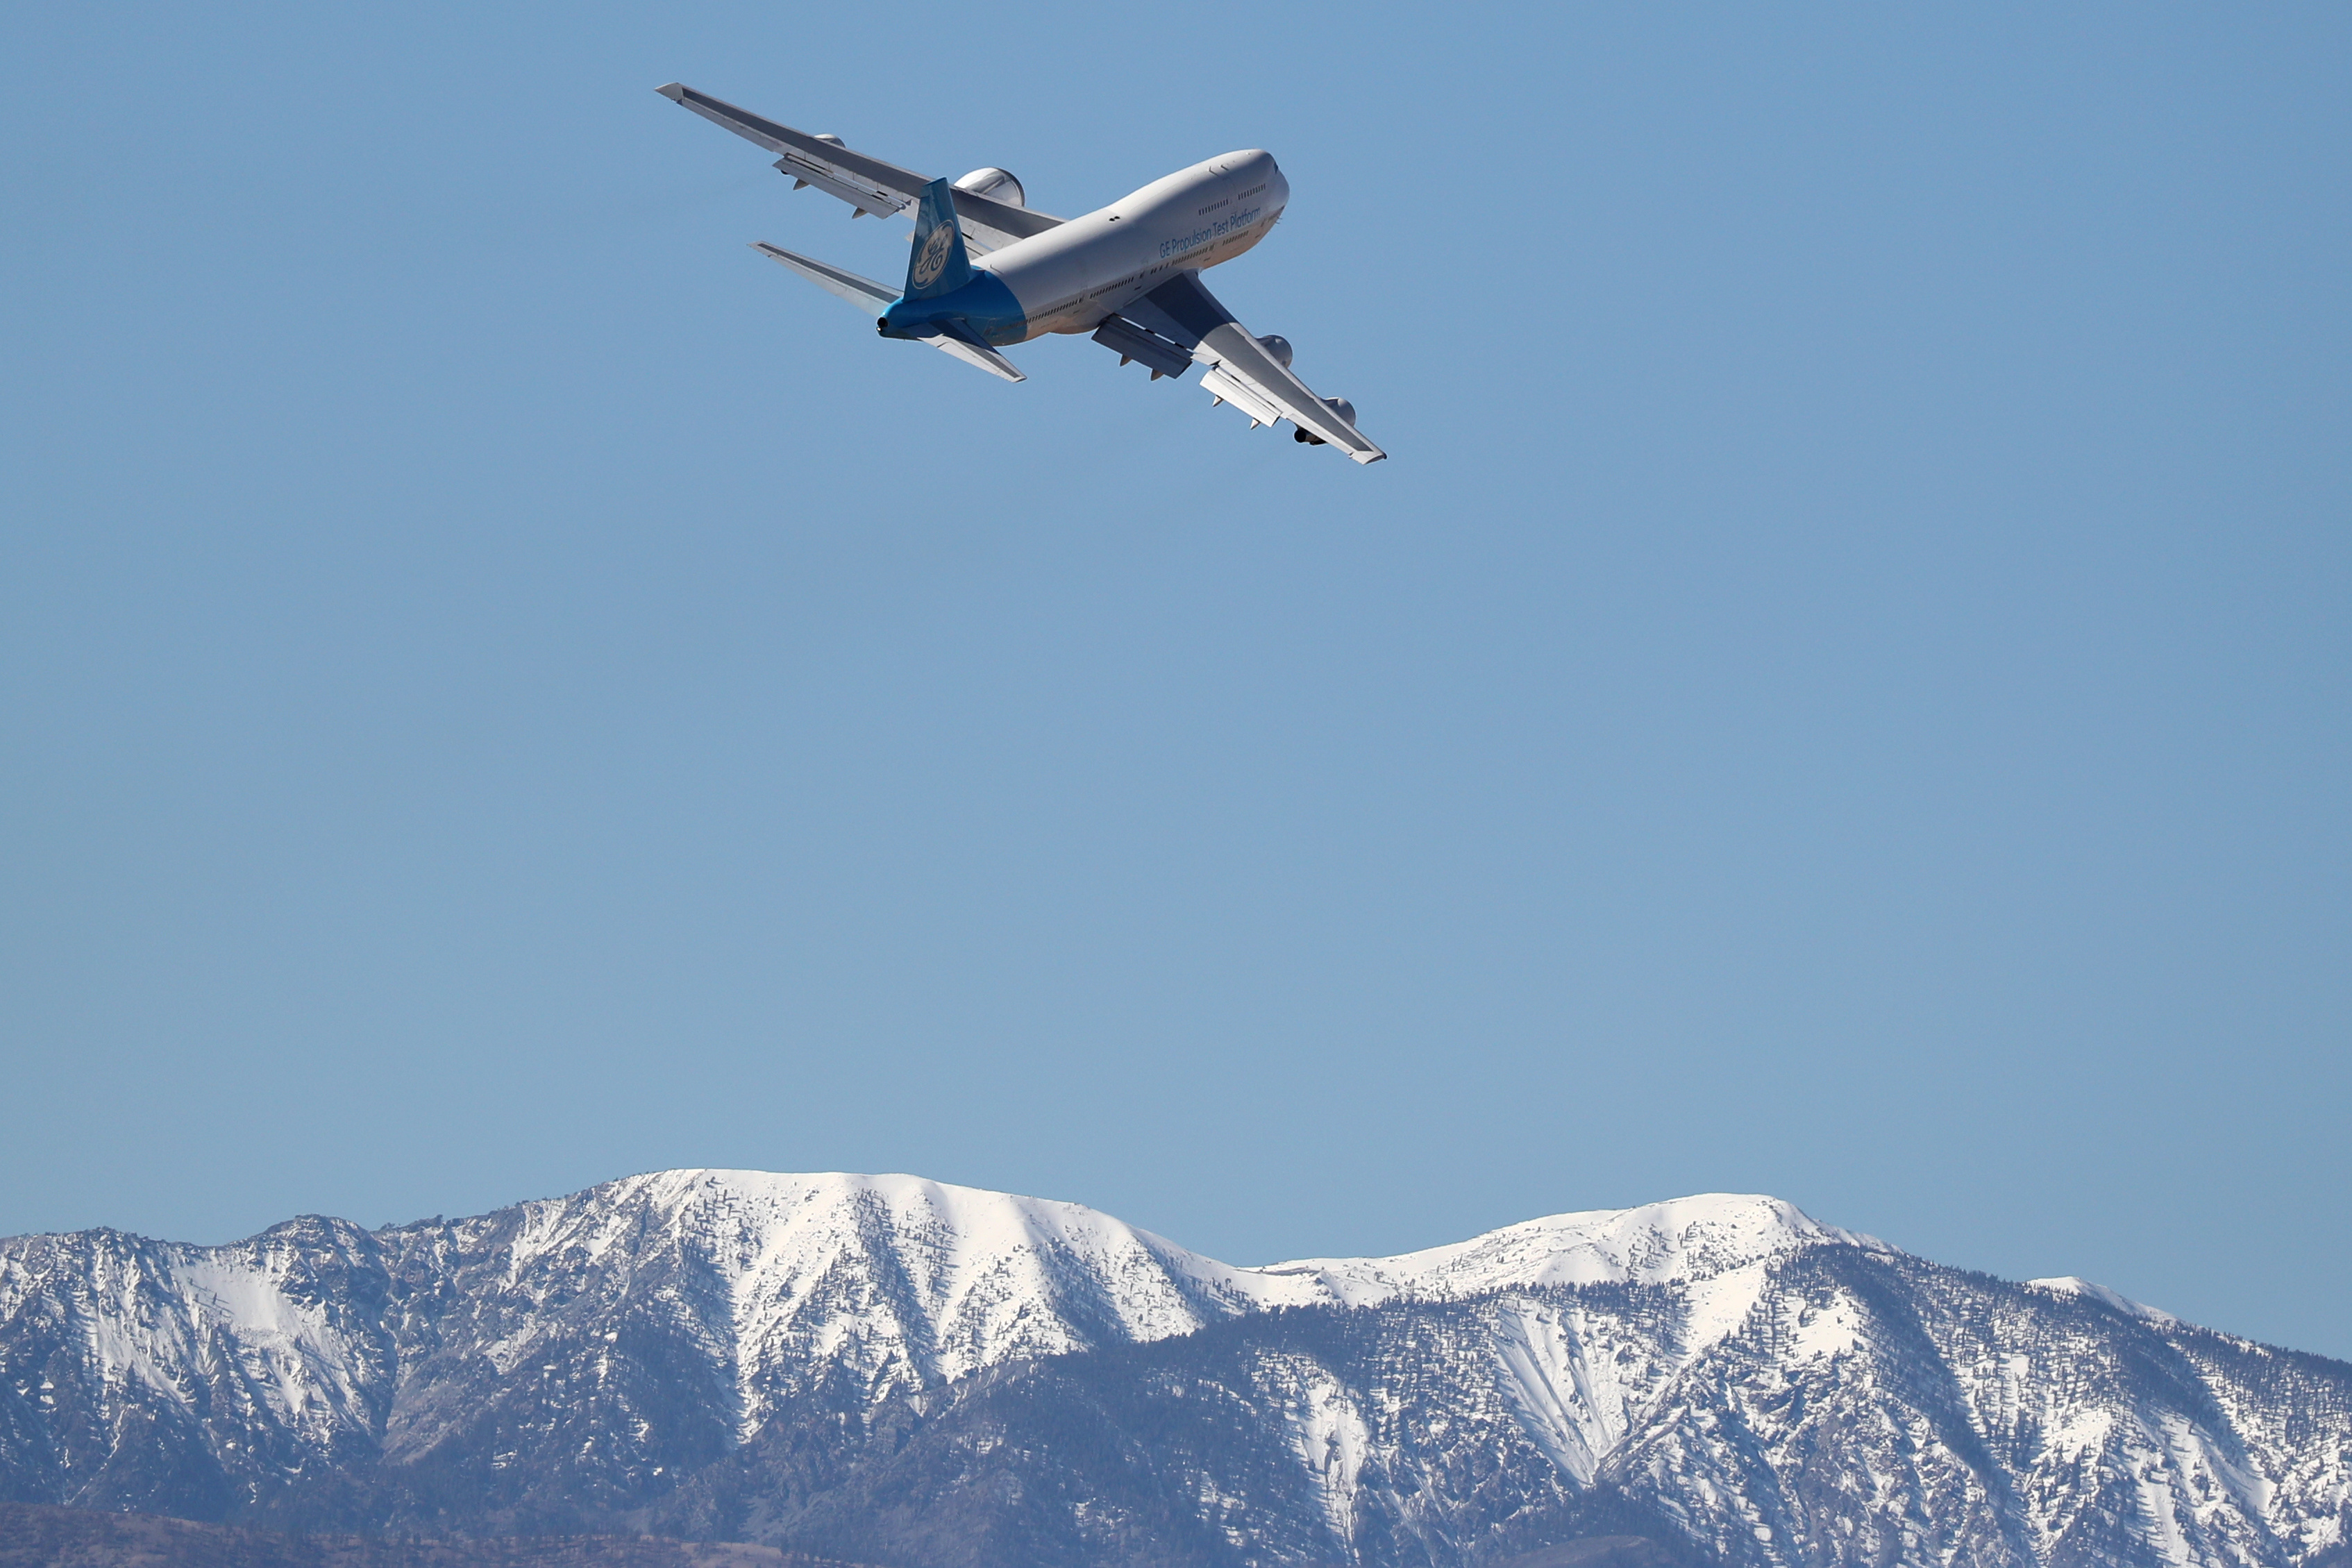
{"x": 939, "y": 264}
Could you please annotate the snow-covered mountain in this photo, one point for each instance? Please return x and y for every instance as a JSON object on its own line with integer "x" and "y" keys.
{"x": 892, "y": 1370}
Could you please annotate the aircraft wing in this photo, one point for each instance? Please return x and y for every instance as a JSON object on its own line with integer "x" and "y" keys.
{"x": 1241, "y": 371}
{"x": 868, "y": 184}
{"x": 870, "y": 297}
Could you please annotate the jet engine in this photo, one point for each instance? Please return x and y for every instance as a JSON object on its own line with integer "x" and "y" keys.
{"x": 1338, "y": 405}
{"x": 1279, "y": 347}
{"x": 996, "y": 184}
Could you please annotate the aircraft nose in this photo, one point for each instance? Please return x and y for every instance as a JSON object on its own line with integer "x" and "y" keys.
{"x": 1259, "y": 164}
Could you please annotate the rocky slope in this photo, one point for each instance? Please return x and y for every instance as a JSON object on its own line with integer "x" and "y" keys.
{"x": 32, "y": 1535}
{"x": 898, "y": 1370}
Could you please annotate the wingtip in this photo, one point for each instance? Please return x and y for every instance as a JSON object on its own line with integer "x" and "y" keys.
{"x": 673, "y": 91}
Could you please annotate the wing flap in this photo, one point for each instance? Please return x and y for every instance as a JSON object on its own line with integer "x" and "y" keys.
{"x": 1129, "y": 342}
{"x": 1223, "y": 388}
{"x": 861, "y": 198}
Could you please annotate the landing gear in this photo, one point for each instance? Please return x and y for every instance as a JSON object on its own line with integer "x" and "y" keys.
{"x": 1304, "y": 439}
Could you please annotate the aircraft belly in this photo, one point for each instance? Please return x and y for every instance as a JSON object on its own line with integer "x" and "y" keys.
{"x": 1073, "y": 288}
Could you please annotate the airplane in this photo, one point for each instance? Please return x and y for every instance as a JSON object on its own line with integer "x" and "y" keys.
{"x": 1128, "y": 274}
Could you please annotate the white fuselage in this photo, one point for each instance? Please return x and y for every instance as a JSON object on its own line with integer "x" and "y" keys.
{"x": 1071, "y": 276}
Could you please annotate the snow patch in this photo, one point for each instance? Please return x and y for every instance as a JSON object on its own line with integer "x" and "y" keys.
{"x": 1821, "y": 1333}
{"x": 1572, "y": 1406}
{"x": 1331, "y": 1440}
{"x": 2075, "y": 1285}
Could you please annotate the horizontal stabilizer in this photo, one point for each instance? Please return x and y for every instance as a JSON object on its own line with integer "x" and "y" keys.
{"x": 876, "y": 298}
{"x": 863, "y": 292}
{"x": 972, "y": 350}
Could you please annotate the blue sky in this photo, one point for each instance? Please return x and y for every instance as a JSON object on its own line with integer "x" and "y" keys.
{"x": 1839, "y": 691}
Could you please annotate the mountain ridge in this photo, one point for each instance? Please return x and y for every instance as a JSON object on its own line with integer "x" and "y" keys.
{"x": 680, "y": 1340}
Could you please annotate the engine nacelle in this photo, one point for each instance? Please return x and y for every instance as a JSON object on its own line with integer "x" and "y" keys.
{"x": 1338, "y": 405}
{"x": 1279, "y": 347}
{"x": 996, "y": 184}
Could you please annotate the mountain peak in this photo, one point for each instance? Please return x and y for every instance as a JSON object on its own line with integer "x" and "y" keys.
{"x": 1716, "y": 1245}
{"x": 897, "y": 1279}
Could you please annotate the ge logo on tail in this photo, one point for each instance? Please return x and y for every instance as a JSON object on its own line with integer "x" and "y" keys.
{"x": 934, "y": 257}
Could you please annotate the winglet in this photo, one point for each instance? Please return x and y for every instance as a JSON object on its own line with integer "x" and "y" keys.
{"x": 675, "y": 91}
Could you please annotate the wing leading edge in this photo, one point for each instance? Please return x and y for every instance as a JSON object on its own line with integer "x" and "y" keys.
{"x": 868, "y": 184}
{"x": 1181, "y": 314}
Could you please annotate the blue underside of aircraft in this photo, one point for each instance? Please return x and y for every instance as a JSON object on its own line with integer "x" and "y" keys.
{"x": 983, "y": 306}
